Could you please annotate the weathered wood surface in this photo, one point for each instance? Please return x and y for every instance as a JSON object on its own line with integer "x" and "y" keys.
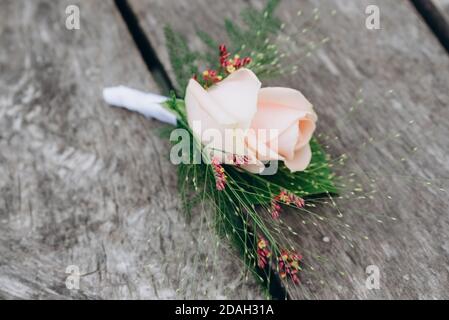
{"x": 82, "y": 184}
{"x": 443, "y": 5}
{"x": 396, "y": 141}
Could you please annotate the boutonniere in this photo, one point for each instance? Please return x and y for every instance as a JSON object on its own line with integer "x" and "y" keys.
{"x": 247, "y": 150}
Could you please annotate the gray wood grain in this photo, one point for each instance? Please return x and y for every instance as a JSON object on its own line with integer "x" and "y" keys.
{"x": 443, "y": 5}
{"x": 395, "y": 141}
{"x": 82, "y": 184}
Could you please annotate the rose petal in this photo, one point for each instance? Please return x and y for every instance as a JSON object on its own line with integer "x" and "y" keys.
{"x": 237, "y": 95}
{"x": 306, "y": 128}
{"x": 201, "y": 107}
{"x": 285, "y": 97}
{"x": 256, "y": 143}
{"x": 275, "y": 117}
{"x": 301, "y": 159}
{"x": 287, "y": 141}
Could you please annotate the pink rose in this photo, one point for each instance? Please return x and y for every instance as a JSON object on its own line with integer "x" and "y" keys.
{"x": 289, "y": 112}
{"x": 237, "y": 106}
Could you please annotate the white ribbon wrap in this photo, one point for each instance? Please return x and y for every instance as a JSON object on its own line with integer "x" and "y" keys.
{"x": 147, "y": 104}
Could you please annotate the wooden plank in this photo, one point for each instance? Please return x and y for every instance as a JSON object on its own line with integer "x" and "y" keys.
{"x": 396, "y": 141}
{"x": 82, "y": 184}
{"x": 443, "y": 5}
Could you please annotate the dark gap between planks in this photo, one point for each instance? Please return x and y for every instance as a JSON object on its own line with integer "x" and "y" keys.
{"x": 435, "y": 19}
{"x": 144, "y": 46}
{"x": 154, "y": 65}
